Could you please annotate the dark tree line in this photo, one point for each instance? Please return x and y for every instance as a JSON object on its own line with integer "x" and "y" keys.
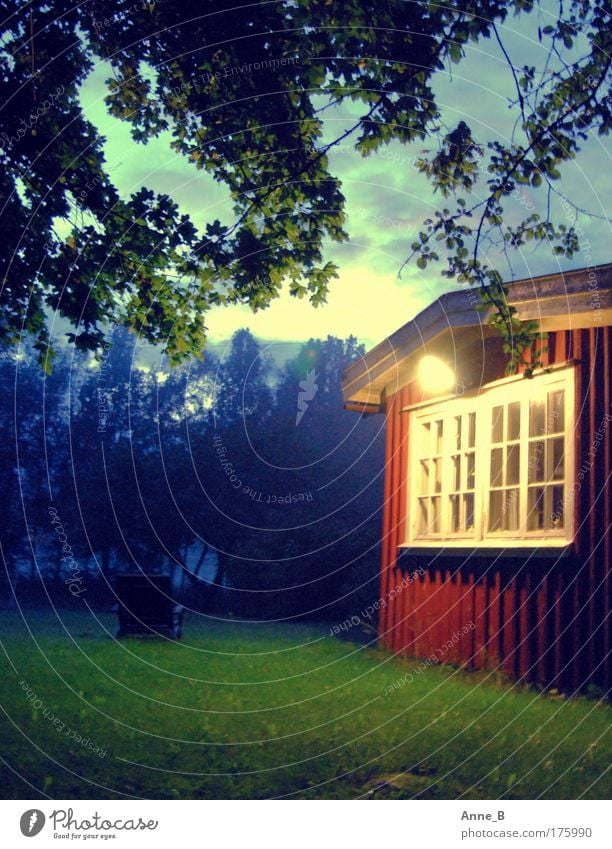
{"x": 245, "y": 481}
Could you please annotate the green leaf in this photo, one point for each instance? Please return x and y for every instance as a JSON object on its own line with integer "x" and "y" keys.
{"x": 455, "y": 52}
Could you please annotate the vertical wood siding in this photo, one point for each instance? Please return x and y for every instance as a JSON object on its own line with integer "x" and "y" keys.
{"x": 537, "y": 620}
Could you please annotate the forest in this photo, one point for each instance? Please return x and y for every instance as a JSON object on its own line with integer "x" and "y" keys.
{"x": 239, "y": 474}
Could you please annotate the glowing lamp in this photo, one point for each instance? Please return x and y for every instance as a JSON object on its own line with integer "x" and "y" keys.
{"x": 435, "y": 376}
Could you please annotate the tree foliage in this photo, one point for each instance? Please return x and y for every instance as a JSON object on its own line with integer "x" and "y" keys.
{"x": 244, "y": 90}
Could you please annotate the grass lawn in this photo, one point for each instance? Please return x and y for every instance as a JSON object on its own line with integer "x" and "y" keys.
{"x": 258, "y": 711}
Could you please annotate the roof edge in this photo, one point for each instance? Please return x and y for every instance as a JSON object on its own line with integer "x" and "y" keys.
{"x": 562, "y": 294}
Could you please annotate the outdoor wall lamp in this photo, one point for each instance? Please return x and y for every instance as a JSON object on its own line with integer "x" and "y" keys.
{"x": 435, "y": 375}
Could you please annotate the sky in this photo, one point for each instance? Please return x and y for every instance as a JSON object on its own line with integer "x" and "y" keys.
{"x": 386, "y": 201}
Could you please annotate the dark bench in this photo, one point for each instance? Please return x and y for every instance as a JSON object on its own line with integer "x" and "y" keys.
{"x": 145, "y": 606}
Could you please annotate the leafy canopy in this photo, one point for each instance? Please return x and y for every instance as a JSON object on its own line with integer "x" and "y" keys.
{"x": 243, "y": 89}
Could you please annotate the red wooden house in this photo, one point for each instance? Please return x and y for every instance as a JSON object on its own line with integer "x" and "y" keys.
{"x": 498, "y": 490}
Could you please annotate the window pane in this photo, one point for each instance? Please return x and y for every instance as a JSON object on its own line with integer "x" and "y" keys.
{"x": 423, "y": 516}
{"x": 537, "y": 411}
{"x": 471, "y": 430}
{"x": 557, "y": 512}
{"x": 497, "y": 424}
{"x": 435, "y": 515}
{"x": 556, "y": 411}
{"x": 556, "y": 457}
{"x": 424, "y": 485}
{"x": 455, "y": 521}
{"x": 425, "y": 440}
{"x": 514, "y": 420}
{"x": 548, "y": 508}
{"x": 457, "y": 432}
{"x": 471, "y": 466}
{"x": 496, "y": 466}
{"x": 437, "y": 472}
{"x": 511, "y": 510}
{"x": 535, "y": 508}
{"x": 535, "y": 465}
{"x": 496, "y": 501}
{"x": 513, "y": 464}
{"x": 468, "y": 504}
{"x": 457, "y": 472}
{"x": 439, "y": 433}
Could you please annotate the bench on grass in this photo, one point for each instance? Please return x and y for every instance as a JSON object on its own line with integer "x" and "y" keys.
{"x": 145, "y": 606}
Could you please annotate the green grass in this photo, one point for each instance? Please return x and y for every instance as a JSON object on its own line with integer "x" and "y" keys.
{"x": 259, "y": 711}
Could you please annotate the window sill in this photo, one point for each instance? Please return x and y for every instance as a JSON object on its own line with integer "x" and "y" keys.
{"x": 536, "y": 552}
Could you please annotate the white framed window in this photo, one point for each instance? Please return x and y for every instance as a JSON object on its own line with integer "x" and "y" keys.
{"x": 495, "y": 469}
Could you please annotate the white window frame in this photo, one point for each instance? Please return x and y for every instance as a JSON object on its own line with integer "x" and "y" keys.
{"x": 500, "y": 392}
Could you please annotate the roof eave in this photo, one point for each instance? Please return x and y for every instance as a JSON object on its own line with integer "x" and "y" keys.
{"x": 569, "y": 300}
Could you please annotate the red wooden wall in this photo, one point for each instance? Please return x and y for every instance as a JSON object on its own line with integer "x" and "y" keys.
{"x": 538, "y": 620}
